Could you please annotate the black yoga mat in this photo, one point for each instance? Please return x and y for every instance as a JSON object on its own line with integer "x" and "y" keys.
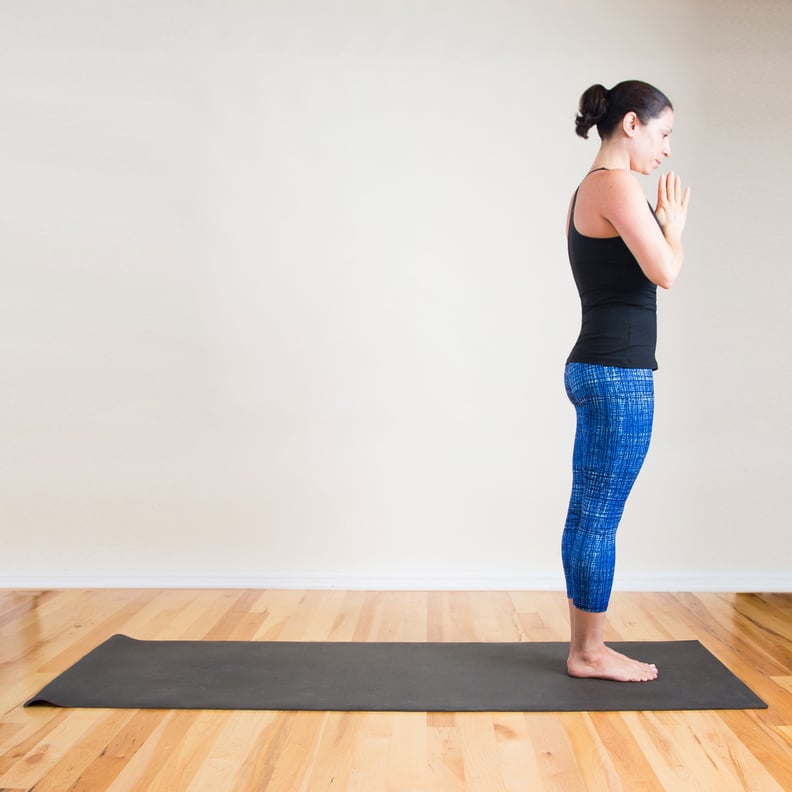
{"x": 421, "y": 677}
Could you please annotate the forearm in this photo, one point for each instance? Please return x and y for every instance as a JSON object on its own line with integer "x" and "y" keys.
{"x": 673, "y": 263}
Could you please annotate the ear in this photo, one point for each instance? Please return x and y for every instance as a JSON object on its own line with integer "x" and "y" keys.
{"x": 630, "y": 123}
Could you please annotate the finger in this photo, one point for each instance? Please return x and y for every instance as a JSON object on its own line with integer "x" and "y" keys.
{"x": 686, "y": 198}
{"x": 672, "y": 188}
{"x": 662, "y": 190}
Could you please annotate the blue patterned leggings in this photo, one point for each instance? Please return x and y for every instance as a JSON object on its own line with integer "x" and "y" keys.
{"x": 615, "y": 407}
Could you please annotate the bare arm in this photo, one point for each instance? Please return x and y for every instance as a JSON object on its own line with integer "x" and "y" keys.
{"x": 657, "y": 248}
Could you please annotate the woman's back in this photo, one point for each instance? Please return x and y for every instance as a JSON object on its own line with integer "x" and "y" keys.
{"x": 618, "y": 301}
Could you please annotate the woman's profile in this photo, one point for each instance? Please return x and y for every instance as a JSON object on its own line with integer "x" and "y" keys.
{"x": 620, "y": 250}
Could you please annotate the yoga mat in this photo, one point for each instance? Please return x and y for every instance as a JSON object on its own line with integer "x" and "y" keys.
{"x": 420, "y": 677}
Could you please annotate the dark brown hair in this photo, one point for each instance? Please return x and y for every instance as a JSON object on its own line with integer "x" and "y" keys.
{"x": 606, "y": 109}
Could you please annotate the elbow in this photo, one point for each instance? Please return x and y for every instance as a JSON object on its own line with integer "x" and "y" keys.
{"x": 670, "y": 269}
{"x": 663, "y": 271}
{"x": 668, "y": 278}
{"x": 667, "y": 274}
{"x": 665, "y": 281}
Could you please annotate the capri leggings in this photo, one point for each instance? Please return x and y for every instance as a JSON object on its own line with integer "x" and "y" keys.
{"x": 615, "y": 407}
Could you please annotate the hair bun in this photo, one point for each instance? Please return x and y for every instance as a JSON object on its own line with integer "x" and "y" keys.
{"x": 592, "y": 109}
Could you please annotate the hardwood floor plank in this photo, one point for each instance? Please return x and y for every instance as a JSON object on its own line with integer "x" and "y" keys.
{"x": 222, "y": 769}
{"x": 121, "y": 749}
{"x": 184, "y": 747}
{"x": 542, "y": 615}
{"x": 205, "y": 612}
{"x": 331, "y": 764}
{"x": 555, "y": 753}
{"x": 592, "y": 757}
{"x": 697, "y": 749}
{"x": 45, "y": 754}
{"x": 140, "y": 759}
{"x": 291, "y": 760}
{"x": 628, "y": 759}
{"x": 518, "y": 762}
{"x": 765, "y": 739}
{"x": 29, "y": 733}
{"x": 480, "y": 755}
{"x": 241, "y": 621}
{"x": 446, "y": 762}
{"x": 403, "y": 617}
{"x": 369, "y": 768}
{"x": 408, "y": 759}
{"x": 279, "y": 610}
{"x": 64, "y": 774}
{"x": 256, "y": 767}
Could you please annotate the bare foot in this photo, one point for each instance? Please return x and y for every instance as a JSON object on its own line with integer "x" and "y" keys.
{"x": 609, "y": 664}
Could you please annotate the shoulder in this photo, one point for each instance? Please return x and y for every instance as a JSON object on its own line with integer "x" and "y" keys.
{"x": 611, "y": 189}
{"x": 607, "y": 199}
{"x": 616, "y": 183}
{"x": 620, "y": 195}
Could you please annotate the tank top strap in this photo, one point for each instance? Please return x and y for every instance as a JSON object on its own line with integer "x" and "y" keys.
{"x": 571, "y": 226}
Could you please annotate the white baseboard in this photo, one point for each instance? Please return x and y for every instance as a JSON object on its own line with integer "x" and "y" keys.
{"x": 736, "y": 582}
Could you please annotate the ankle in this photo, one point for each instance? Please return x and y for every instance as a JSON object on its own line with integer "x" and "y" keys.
{"x": 587, "y": 653}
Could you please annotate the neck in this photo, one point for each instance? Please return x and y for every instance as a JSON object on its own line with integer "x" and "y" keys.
{"x": 612, "y": 155}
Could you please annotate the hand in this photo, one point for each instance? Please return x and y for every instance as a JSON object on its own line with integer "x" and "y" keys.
{"x": 672, "y": 204}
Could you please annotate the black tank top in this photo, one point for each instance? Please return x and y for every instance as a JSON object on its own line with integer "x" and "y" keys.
{"x": 619, "y": 303}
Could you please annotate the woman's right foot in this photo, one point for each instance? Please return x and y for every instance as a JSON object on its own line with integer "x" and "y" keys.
{"x": 606, "y": 663}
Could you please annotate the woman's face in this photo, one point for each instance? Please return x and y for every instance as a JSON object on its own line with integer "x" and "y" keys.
{"x": 652, "y": 142}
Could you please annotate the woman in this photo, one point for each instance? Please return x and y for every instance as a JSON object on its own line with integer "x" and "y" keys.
{"x": 620, "y": 250}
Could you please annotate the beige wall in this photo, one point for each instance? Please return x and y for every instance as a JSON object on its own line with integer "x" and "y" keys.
{"x": 285, "y": 298}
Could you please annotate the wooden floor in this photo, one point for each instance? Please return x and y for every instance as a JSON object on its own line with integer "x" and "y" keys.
{"x": 52, "y": 750}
